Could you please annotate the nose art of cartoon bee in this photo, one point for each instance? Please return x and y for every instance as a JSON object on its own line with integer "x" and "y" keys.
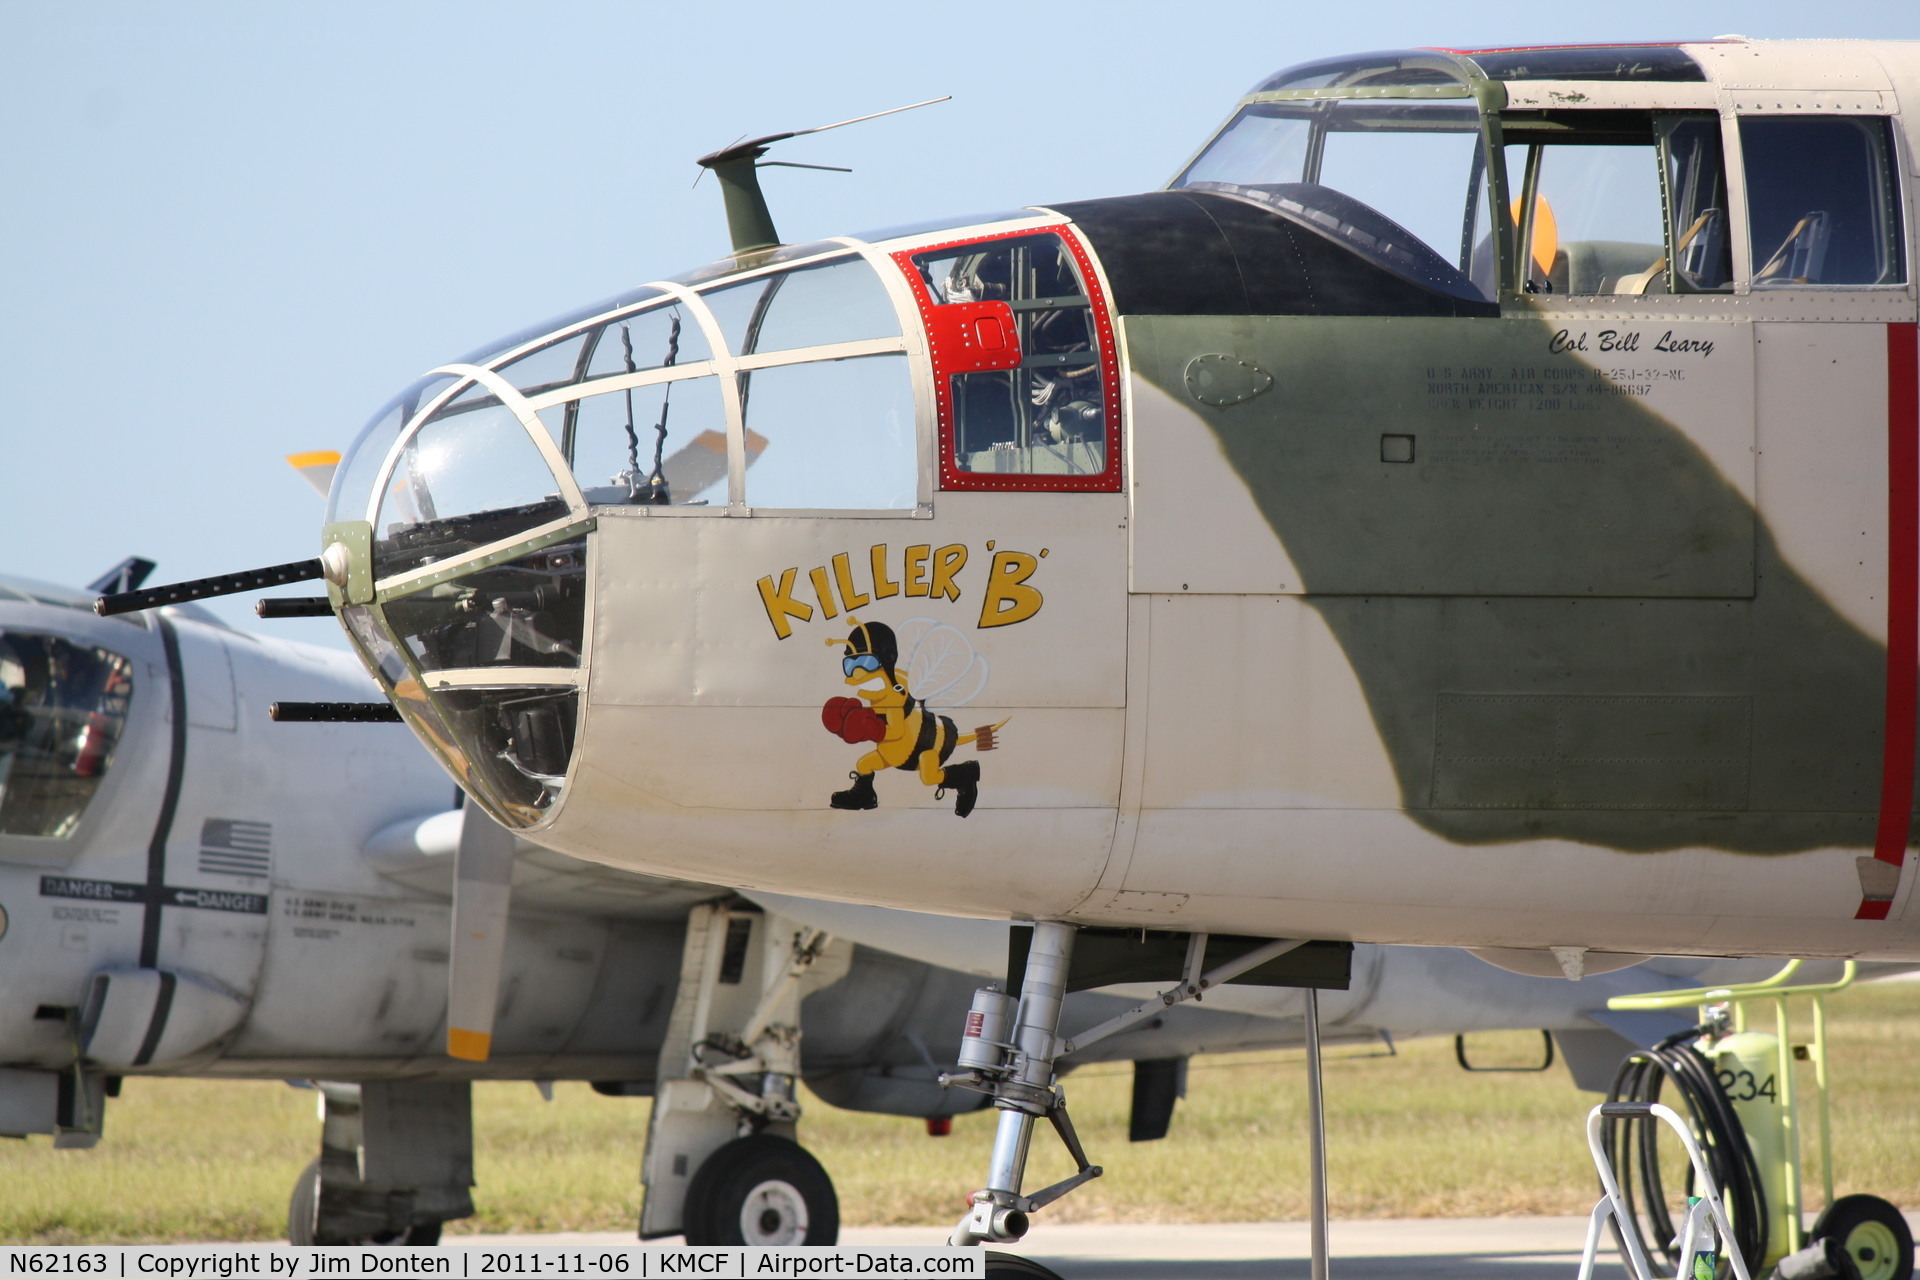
{"x": 905, "y": 732}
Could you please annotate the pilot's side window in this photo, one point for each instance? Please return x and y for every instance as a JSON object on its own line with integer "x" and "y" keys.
{"x": 1823, "y": 206}
{"x": 1023, "y": 365}
{"x": 1586, "y": 214}
{"x": 63, "y": 707}
{"x": 1617, "y": 203}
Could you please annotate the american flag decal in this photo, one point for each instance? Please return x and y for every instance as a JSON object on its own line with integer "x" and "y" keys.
{"x": 230, "y": 847}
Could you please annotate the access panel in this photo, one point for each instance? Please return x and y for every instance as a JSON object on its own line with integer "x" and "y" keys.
{"x": 1584, "y": 456}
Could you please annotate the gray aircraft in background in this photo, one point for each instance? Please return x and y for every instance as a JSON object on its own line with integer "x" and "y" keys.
{"x": 188, "y": 888}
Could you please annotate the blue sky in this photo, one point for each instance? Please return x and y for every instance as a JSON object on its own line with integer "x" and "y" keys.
{"x": 230, "y": 231}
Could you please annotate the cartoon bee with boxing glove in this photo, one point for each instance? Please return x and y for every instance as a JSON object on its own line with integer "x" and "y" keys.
{"x": 905, "y": 731}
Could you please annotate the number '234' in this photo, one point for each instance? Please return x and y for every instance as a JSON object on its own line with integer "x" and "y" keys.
{"x": 1739, "y": 1086}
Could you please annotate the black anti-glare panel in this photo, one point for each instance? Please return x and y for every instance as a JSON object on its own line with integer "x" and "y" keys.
{"x": 1194, "y": 253}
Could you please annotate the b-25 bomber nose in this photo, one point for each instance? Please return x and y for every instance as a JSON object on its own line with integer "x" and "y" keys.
{"x": 803, "y": 381}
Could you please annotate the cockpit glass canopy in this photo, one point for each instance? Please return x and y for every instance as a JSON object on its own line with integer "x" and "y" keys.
{"x": 63, "y": 707}
{"x": 1392, "y": 68}
{"x": 721, "y": 268}
{"x": 352, "y": 488}
{"x": 1648, "y": 62}
{"x": 1402, "y": 182}
{"x": 556, "y": 364}
{"x": 832, "y": 434}
{"x": 468, "y": 476}
{"x": 838, "y": 301}
{"x": 521, "y": 337}
{"x": 661, "y": 337}
{"x": 1438, "y": 69}
{"x": 788, "y": 381}
{"x": 612, "y": 439}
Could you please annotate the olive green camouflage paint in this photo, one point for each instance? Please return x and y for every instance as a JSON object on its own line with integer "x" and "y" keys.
{"x": 1577, "y": 628}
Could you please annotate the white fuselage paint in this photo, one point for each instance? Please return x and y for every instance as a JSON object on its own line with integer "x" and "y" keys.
{"x": 1187, "y": 744}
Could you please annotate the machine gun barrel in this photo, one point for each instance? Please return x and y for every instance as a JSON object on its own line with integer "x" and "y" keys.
{"x": 226, "y": 584}
{"x": 333, "y": 713}
{"x": 294, "y": 607}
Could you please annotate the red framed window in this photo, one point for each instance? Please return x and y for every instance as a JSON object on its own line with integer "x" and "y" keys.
{"x": 1025, "y": 382}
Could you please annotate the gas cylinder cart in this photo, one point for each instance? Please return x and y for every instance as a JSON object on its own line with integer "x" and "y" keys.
{"x": 1736, "y": 1087}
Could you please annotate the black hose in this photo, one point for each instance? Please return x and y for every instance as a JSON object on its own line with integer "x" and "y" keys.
{"x": 1635, "y": 1156}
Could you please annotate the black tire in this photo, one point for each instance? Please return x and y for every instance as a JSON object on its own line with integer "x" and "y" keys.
{"x": 1874, "y": 1232}
{"x": 761, "y": 1190}
{"x": 1011, "y": 1266}
{"x": 303, "y": 1210}
{"x": 303, "y": 1217}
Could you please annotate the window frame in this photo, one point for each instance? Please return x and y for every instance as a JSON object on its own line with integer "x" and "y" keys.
{"x": 1536, "y": 130}
{"x": 31, "y": 847}
{"x": 1891, "y": 147}
{"x": 948, "y": 475}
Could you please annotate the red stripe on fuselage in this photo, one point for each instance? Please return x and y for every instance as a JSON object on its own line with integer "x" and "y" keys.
{"x": 1903, "y": 600}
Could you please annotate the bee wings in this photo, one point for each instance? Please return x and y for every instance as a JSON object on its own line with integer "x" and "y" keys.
{"x": 942, "y": 669}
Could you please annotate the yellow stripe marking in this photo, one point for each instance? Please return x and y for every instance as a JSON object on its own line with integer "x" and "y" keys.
{"x": 472, "y": 1046}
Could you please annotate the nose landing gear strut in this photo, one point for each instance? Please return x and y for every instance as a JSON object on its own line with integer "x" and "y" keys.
{"x": 1009, "y": 1050}
{"x": 1019, "y": 1074}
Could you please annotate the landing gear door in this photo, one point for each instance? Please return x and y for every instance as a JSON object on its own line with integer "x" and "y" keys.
{"x": 689, "y": 1123}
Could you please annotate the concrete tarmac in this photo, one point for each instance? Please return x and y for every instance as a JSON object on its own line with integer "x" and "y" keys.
{"x": 1367, "y": 1249}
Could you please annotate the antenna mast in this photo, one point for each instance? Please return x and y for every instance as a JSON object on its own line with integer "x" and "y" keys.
{"x": 749, "y": 223}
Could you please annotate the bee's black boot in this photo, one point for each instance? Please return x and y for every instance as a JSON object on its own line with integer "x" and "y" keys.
{"x": 860, "y": 794}
{"x": 965, "y": 781}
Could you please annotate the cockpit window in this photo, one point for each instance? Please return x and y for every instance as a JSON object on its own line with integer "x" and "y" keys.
{"x": 1416, "y": 168}
{"x": 839, "y": 301}
{"x": 470, "y": 475}
{"x": 555, "y": 365}
{"x": 1822, "y": 201}
{"x": 659, "y": 338}
{"x": 832, "y": 434}
{"x": 63, "y": 707}
{"x": 615, "y": 440}
{"x": 1022, "y": 363}
{"x": 1697, "y": 225}
{"x": 1588, "y": 217}
{"x": 619, "y": 302}
{"x": 656, "y": 338}
{"x": 352, "y": 488}
{"x": 1618, "y": 202}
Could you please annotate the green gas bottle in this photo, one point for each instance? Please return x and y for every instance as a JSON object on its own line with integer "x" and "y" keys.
{"x": 1747, "y": 1065}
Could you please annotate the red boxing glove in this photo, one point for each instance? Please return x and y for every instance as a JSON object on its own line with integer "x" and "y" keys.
{"x": 863, "y": 724}
{"x": 834, "y": 714}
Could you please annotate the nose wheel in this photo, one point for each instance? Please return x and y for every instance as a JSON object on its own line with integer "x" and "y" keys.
{"x": 303, "y": 1219}
{"x": 761, "y": 1190}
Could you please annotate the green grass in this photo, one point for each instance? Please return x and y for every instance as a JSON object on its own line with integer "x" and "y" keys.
{"x": 1408, "y": 1136}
